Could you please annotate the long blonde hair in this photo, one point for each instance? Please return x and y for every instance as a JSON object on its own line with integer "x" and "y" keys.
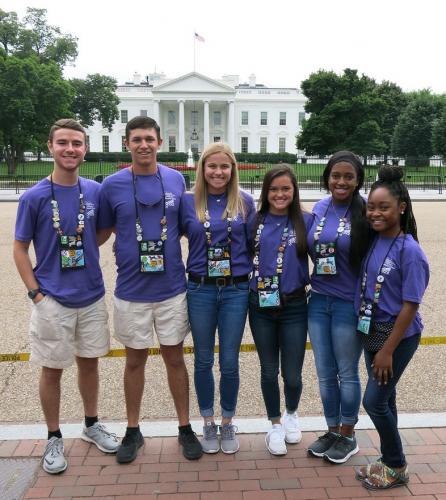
{"x": 235, "y": 204}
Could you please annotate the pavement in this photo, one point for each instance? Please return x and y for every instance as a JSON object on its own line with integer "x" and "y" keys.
{"x": 161, "y": 472}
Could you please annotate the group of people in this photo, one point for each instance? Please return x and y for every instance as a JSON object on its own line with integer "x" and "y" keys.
{"x": 368, "y": 278}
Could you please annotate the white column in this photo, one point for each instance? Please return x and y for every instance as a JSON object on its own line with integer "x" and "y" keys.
{"x": 156, "y": 111}
{"x": 231, "y": 119}
{"x": 206, "y": 124}
{"x": 181, "y": 144}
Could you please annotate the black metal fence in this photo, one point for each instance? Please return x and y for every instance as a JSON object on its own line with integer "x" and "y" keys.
{"x": 429, "y": 174}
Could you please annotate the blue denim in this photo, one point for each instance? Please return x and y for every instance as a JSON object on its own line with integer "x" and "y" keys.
{"x": 211, "y": 307}
{"x": 280, "y": 334}
{"x": 380, "y": 402}
{"x": 337, "y": 348}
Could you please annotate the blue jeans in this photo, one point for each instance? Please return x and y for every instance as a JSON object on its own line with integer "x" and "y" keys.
{"x": 380, "y": 402}
{"x": 211, "y": 307}
{"x": 280, "y": 334}
{"x": 337, "y": 348}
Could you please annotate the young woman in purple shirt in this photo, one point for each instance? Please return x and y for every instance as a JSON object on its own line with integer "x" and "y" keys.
{"x": 215, "y": 219}
{"x": 278, "y": 302}
{"x": 394, "y": 276}
{"x": 337, "y": 241}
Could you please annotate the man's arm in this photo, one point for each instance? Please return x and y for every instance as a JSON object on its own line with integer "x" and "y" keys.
{"x": 24, "y": 266}
{"x": 102, "y": 235}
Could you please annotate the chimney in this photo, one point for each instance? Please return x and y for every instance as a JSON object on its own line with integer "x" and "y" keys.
{"x": 136, "y": 79}
{"x": 252, "y": 80}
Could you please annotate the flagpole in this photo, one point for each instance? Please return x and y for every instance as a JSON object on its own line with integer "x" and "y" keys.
{"x": 195, "y": 41}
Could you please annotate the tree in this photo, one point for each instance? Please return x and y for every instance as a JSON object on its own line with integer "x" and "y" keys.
{"x": 412, "y": 137}
{"x": 95, "y": 99}
{"x": 32, "y": 97}
{"x": 345, "y": 114}
{"x": 9, "y": 30}
{"x": 439, "y": 135}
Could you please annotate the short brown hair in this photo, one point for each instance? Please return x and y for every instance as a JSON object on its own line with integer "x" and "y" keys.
{"x": 66, "y": 123}
{"x": 144, "y": 122}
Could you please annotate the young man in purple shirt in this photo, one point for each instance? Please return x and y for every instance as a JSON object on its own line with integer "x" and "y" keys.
{"x": 141, "y": 203}
{"x": 69, "y": 316}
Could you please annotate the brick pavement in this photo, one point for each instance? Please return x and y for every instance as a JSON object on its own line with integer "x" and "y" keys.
{"x": 161, "y": 472}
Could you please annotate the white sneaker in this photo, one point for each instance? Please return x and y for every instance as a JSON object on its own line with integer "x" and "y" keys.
{"x": 53, "y": 458}
{"x": 291, "y": 428}
{"x": 275, "y": 440}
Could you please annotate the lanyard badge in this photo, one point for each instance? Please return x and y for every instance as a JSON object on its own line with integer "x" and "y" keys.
{"x": 268, "y": 287}
{"x": 151, "y": 252}
{"x": 268, "y": 291}
{"x": 71, "y": 247}
{"x": 71, "y": 251}
{"x": 151, "y": 256}
{"x": 218, "y": 255}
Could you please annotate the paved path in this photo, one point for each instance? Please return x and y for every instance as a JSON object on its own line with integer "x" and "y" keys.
{"x": 160, "y": 471}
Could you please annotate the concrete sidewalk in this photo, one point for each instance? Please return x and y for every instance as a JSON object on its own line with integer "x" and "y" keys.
{"x": 161, "y": 472}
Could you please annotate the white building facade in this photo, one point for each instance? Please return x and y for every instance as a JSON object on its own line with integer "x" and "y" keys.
{"x": 194, "y": 110}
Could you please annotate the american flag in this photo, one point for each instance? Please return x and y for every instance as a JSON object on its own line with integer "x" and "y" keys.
{"x": 199, "y": 38}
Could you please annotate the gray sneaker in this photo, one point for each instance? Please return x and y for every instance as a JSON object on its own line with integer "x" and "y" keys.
{"x": 53, "y": 459}
{"x": 99, "y": 435}
{"x": 229, "y": 441}
{"x": 210, "y": 443}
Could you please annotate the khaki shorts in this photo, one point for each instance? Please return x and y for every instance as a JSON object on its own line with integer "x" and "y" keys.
{"x": 135, "y": 322}
{"x": 60, "y": 333}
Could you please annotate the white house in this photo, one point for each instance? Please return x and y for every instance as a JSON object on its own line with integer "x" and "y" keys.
{"x": 194, "y": 110}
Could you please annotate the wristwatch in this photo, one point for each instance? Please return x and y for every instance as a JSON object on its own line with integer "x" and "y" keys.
{"x": 33, "y": 293}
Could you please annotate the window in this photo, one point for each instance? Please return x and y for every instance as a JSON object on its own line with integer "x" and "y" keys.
{"x": 194, "y": 119}
{"x": 217, "y": 138}
{"x": 124, "y": 116}
{"x": 244, "y": 145}
{"x": 105, "y": 144}
{"x": 171, "y": 117}
{"x": 263, "y": 144}
{"x": 282, "y": 118}
{"x": 245, "y": 118}
{"x": 282, "y": 144}
{"x": 123, "y": 148}
{"x": 263, "y": 118}
{"x": 217, "y": 118}
{"x": 301, "y": 117}
{"x": 172, "y": 144}
{"x": 143, "y": 112}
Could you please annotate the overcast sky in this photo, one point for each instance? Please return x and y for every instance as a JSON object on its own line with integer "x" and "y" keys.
{"x": 282, "y": 42}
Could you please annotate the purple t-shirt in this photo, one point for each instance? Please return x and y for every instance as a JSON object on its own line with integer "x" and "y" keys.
{"x": 118, "y": 211}
{"x": 406, "y": 276}
{"x": 343, "y": 284}
{"x": 295, "y": 269}
{"x": 241, "y": 262}
{"x": 71, "y": 288}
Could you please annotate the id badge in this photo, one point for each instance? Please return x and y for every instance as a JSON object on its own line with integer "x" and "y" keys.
{"x": 219, "y": 261}
{"x": 325, "y": 262}
{"x": 364, "y": 323}
{"x": 268, "y": 292}
{"x": 72, "y": 254}
{"x": 151, "y": 256}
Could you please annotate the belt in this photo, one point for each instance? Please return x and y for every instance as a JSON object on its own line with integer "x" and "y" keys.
{"x": 220, "y": 281}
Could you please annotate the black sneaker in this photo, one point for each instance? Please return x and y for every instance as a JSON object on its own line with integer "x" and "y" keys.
{"x": 341, "y": 450}
{"x": 192, "y": 449}
{"x": 129, "y": 447}
{"x": 322, "y": 444}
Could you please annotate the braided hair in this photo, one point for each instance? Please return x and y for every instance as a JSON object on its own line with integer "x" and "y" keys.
{"x": 390, "y": 177}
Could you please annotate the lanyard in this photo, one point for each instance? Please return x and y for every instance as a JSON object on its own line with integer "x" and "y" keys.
{"x": 339, "y": 230}
{"x": 280, "y": 250}
{"x": 207, "y": 227}
{"x": 56, "y": 211}
{"x": 379, "y": 278}
{"x": 163, "y": 221}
